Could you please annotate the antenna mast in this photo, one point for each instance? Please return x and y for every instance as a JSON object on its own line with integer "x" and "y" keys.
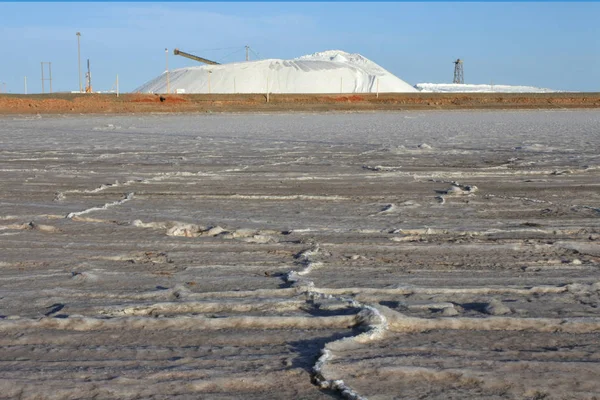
{"x": 458, "y": 72}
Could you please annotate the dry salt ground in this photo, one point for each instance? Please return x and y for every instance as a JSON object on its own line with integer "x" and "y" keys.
{"x": 438, "y": 255}
{"x": 479, "y": 88}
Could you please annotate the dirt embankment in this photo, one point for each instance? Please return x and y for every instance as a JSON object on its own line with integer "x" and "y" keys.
{"x": 60, "y": 103}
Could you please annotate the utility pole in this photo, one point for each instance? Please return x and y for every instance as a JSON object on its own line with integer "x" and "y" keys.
{"x": 79, "y": 60}
{"x": 267, "y": 88}
{"x": 247, "y": 55}
{"x": 25, "y": 85}
{"x": 167, "y": 62}
{"x": 209, "y": 74}
{"x": 47, "y": 79}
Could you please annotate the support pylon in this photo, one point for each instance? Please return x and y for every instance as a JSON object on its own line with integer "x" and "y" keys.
{"x": 458, "y": 72}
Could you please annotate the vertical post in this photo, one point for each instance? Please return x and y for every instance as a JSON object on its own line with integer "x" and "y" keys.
{"x": 267, "y": 89}
{"x": 117, "y": 85}
{"x": 234, "y": 91}
{"x": 167, "y": 62}
{"x": 25, "y": 85}
{"x": 79, "y": 61}
{"x": 247, "y": 55}
{"x": 50, "y": 71}
{"x": 209, "y": 74}
{"x": 43, "y": 77}
{"x": 377, "y": 87}
{"x": 341, "y": 85}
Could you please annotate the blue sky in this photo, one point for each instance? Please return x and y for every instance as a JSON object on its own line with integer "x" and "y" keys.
{"x": 545, "y": 44}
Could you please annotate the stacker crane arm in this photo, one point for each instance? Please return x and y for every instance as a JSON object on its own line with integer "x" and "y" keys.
{"x": 193, "y": 57}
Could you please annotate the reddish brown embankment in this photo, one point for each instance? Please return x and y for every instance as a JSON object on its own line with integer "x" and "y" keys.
{"x": 60, "y": 103}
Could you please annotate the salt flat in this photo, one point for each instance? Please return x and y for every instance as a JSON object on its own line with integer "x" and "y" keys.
{"x": 437, "y": 255}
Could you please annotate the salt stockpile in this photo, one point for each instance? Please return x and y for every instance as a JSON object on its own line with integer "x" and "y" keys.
{"x": 471, "y": 88}
{"x": 332, "y": 71}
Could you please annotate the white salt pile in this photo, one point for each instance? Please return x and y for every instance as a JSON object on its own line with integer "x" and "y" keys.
{"x": 332, "y": 71}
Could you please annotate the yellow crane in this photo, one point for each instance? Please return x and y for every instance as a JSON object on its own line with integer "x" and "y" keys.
{"x": 177, "y": 52}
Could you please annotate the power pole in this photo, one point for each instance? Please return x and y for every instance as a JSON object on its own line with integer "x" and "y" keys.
{"x": 458, "y": 72}
{"x": 79, "y": 60}
{"x": 247, "y": 55}
{"x": 209, "y": 74}
{"x": 47, "y": 79}
{"x": 25, "y": 85}
{"x": 267, "y": 88}
{"x": 167, "y": 62}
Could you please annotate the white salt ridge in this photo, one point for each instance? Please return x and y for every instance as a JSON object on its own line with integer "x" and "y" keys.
{"x": 332, "y": 71}
{"x": 483, "y": 88}
{"x": 369, "y": 317}
{"x": 127, "y": 197}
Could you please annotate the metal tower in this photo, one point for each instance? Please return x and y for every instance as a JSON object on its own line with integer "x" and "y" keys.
{"x": 458, "y": 72}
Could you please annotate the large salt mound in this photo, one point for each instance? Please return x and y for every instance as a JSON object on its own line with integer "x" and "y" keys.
{"x": 330, "y": 71}
{"x": 471, "y": 88}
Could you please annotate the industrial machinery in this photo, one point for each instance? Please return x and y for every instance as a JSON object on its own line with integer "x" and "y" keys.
{"x": 177, "y": 52}
{"x": 88, "y": 78}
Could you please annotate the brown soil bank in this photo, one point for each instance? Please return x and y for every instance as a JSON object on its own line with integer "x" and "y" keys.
{"x": 141, "y": 103}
